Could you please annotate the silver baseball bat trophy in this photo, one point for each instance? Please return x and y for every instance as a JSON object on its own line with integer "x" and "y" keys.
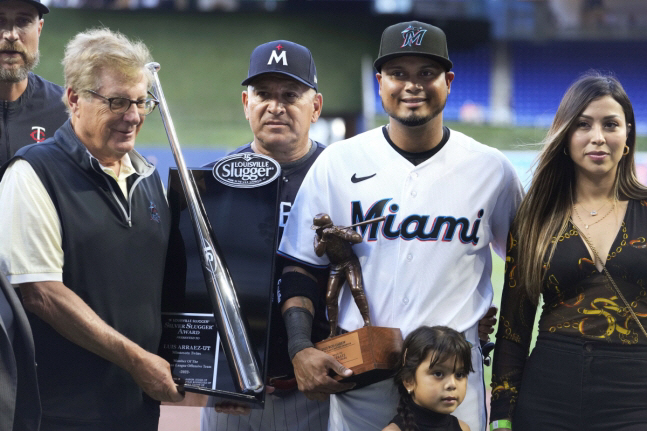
{"x": 227, "y": 313}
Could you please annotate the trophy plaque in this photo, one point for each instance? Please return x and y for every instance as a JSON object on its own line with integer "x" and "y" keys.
{"x": 370, "y": 352}
{"x": 244, "y": 219}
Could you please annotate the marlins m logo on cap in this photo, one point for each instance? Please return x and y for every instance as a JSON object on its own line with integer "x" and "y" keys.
{"x": 413, "y": 36}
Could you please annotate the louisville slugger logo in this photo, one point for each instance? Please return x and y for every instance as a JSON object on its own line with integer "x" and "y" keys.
{"x": 278, "y": 57}
{"x": 414, "y": 226}
{"x": 246, "y": 170}
{"x": 412, "y": 36}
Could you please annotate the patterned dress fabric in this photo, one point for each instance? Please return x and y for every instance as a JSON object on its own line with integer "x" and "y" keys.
{"x": 579, "y": 301}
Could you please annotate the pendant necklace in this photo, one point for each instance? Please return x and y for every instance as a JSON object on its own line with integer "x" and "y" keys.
{"x": 594, "y": 212}
{"x": 586, "y": 226}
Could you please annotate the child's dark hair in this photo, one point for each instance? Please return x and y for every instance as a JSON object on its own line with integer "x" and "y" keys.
{"x": 445, "y": 343}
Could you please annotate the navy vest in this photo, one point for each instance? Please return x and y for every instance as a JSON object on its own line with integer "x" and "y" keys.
{"x": 114, "y": 255}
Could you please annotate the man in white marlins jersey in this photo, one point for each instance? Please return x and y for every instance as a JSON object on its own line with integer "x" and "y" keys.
{"x": 446, "y": 199}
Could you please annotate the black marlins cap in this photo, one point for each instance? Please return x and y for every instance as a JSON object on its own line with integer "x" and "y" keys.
{"x": 284, "y": 57}
{"x": 42, "y": 9}
{"x": 413, "y": 38}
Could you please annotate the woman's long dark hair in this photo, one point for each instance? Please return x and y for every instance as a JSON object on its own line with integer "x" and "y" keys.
{"x": 443, "y": 343}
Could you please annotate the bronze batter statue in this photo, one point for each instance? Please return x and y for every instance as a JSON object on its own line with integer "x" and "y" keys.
{"x": 337, "y": 243}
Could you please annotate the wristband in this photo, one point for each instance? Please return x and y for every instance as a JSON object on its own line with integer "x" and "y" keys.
{"x": 295, "y": 283}
{"x": 502, "y": 423}
{"x": 298, "y": 324}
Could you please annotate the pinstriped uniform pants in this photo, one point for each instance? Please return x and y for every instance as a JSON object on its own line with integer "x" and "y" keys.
{"x": 290, "y": 412}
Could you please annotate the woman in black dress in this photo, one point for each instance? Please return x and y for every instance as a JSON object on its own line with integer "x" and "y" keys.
{"x": 579, "y": 241}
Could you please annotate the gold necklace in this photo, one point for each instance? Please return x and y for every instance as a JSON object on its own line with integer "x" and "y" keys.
{"x": 594, "y": 212}
{"x": 586, "y": 226}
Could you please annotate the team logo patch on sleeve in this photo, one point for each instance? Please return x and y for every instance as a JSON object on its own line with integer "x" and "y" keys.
{"x": 154, "y": 213}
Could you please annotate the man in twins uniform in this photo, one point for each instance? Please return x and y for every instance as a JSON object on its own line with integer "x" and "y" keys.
{"x": 32, "y": 108}
{"x": 280, "y": 103}
{"x": 446, "y": 198}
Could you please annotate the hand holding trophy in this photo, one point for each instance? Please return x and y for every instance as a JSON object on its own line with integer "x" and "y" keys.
{"x": 370, "y": 351}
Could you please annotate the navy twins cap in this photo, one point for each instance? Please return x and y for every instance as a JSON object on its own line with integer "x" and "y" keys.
{"x": 284, "y": 57}
{"x": 413, "y": 38}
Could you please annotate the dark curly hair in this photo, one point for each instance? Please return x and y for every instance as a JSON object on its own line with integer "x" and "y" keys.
{"x": 444, "y": 343}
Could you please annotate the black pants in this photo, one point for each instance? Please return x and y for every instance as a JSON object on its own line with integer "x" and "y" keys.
{"x": 571, "y": 384}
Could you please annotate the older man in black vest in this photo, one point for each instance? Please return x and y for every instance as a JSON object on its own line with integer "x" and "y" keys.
{"x": 85, "y": 229}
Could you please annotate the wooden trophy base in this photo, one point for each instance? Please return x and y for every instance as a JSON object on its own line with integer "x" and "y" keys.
{"x": 371, "y": 352}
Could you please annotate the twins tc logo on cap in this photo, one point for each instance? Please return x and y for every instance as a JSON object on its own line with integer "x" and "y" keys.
{"x": 413, "y": 36}
{"x": 274, "y": 57}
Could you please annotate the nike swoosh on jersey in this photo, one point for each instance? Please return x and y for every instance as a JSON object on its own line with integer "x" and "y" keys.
{"x": 355, "y": 179}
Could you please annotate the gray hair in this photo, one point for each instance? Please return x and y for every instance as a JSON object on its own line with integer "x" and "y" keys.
{"x": 92, "y": 51}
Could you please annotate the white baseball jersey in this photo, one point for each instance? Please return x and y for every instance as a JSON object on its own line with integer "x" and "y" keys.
{"x": 429, "y": 262}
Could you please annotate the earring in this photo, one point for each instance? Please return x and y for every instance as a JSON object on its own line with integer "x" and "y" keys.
{"x": 409, "y": 391}
{"x": 565, "y": 151}
{"x": 626, "y": 150}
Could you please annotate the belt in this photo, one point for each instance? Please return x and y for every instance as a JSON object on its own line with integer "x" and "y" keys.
{"x": 283, "y": 383}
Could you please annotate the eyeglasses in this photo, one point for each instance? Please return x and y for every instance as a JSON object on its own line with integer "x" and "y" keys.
{"x": 119, "y": 105}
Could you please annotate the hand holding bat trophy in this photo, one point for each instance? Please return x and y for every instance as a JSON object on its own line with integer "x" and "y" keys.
{"x": 371, "y": 351}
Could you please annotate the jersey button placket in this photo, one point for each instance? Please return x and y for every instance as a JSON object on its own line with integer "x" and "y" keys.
{"x": 412, "y": 177}
{"x": 409, "y": 259}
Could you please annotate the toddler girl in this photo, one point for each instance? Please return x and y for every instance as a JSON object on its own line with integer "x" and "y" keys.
{"x": 432, "y": 380}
